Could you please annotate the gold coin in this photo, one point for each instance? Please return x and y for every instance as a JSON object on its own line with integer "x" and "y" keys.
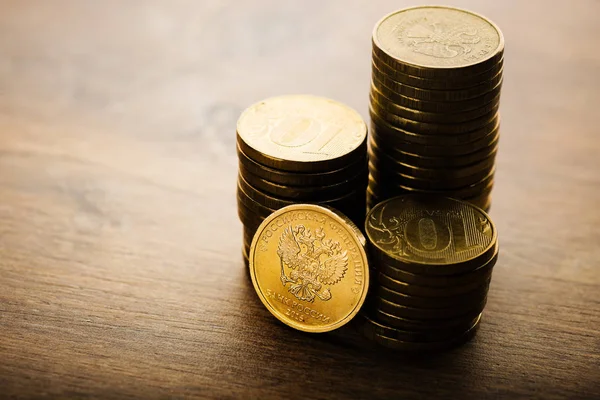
{"x": 245, "y": 255}
{"x": 302, "y": 178}
{"x": 431, "y": 235}
{"x": 352, "y": 225}
{"x": 477, "y": 276}
{"x": 449, "y": 95}
{"x": 390, "y": 167}
{"x": 440, "y": 184}
{"x": 302, "y": 133}
{"x": 250, "y": 220}
{"x": 457, "y": 301}
{"x": 428, "y": 313}
{"x": 436, "y": 106}
{"x": 424, "y": 183}
{"x": 483, "y": 201}
{"x": 438, "y": 42}
{"x": 380, "y": 101}
{"x": 437, "y": 84}
{"x": 414, "y": 346}
{"x": 246, "y": 212}
{"x": 384, "y": 140}
{"x": 275, "y": 203}
{"x": 476, "y": 128}
{"x": 248, "y": 236}
{"x": 305, "y": 192}
{"x": 254, "y": 206}
{"x": 415, "y": 324}
{"x": 461, "y": 132}
{"x": 460, "y": 179}
{"x": 425, "y": 291}
{"x": 388, "y": 189}
{"x": 435, "y": 162}
{"x": 456, "y": 144}
{"x": 309, "y": 268}
{"x": 433, "y": 335}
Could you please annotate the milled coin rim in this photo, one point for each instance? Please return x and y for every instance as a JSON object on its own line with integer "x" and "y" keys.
{"x": 299, "y": 178}
{"x": 361, "y": 248}
{"x": 423, "y": 347}
{"x": 493, "y": 54}
{"x": 411, "y": 263}
{"x": 436, "y": 84}
{"x": 436, "y": 95}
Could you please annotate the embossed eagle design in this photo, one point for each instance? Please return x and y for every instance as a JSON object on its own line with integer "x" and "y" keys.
{"x": 315, "y": 262}
{"x": 441, "y": 40}
{"x": 391, "y": 236}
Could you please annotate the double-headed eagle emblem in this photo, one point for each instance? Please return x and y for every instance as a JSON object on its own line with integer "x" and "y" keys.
{"x": 442, "y": 40}
{"x": 313, "y": 260}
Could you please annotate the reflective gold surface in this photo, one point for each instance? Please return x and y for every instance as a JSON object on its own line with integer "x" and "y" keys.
{"x": 301, "y": 132}
{"x": 431, "y": 234}
{"x": 309, "y": 268}
{"x": 436, "y": 78}
{"x": 431, "y": 40}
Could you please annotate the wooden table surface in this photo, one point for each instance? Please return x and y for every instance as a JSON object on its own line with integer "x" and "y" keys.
{"x": 120, "y": 249}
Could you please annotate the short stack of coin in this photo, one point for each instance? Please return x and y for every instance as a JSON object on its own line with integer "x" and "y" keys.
{"x": 434, "y": 101}
{"x": 431, "y": 264}
{"x": 300, "y": 149}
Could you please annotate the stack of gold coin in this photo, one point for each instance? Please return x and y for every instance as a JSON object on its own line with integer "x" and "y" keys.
{"x": 300, "y": 149}
{"x": 434, "y": 100}
{"x": 431, "y": 265}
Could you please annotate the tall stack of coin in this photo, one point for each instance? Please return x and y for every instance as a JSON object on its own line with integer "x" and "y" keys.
{"x": 431, "y": 265}
{"x": 300, "y": 149}
{"x": 434, "y": 99}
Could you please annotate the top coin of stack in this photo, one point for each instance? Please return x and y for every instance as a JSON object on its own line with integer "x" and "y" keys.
{"x": 434, "y": 101}
{"x": 432, "y": 259}
{"x": 300, "y": 149}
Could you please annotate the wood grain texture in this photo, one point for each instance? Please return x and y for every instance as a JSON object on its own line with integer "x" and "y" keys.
{"x": 120, "y": 267}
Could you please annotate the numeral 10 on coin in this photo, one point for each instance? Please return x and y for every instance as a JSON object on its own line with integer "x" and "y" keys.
{"x": 433, "y": 235}
{"x": 303, "y": 132}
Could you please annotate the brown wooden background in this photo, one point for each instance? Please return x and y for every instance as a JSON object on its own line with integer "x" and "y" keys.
{"x": 120, "y": 265}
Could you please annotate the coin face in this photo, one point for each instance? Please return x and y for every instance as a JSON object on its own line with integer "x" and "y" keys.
{"x": 301, "y": 129}
{"x": 309, "y": 267}
{"x": 438, "y": 37}
{"x": 432, "y": 231}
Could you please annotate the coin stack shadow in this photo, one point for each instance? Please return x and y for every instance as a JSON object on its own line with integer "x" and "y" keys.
{"x": 433, "y": 129}
{"x": 428, "y": 288}
{"x": 268, "y": 182}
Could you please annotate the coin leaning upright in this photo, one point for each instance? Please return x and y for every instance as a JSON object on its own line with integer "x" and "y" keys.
{"x": 309, "y": 267}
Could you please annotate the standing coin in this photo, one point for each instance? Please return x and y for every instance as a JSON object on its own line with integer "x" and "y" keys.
{"x": 309, "y": 268}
